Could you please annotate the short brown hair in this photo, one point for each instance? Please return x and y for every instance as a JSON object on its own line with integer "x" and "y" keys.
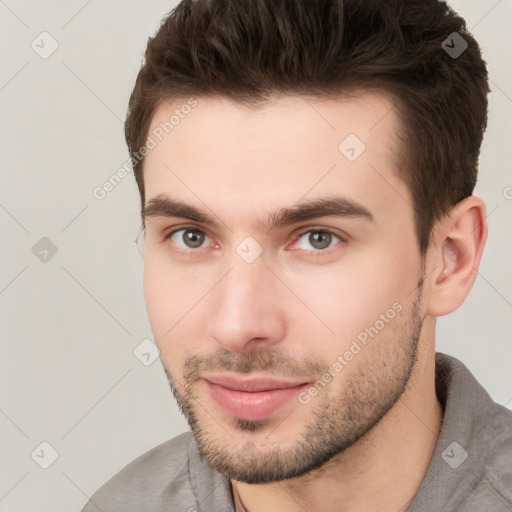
{"x": 247, "y": 50}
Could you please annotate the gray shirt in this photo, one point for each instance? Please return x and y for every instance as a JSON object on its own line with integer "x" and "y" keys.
{"x": 470, "y": 471}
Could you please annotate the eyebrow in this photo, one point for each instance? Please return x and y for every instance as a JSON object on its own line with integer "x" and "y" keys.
{"x": 337, "y": 206}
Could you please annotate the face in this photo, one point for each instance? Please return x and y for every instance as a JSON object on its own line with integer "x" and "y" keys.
{"x": 282, "y": 276}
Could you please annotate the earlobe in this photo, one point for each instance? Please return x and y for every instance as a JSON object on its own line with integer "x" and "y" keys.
{"x": 460, "y": 241}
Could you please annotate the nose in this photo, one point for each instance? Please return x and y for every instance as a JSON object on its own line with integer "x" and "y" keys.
{"x": 248, "y": 312}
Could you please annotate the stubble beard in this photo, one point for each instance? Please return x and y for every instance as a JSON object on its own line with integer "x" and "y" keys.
{"x": 338, "y": 421}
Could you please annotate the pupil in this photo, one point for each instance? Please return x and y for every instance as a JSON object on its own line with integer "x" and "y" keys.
{"x": 320, "y": 239}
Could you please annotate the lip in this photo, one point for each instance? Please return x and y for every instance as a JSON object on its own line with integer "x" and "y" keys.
{"x": 251, "y": 398}
{"x": 250, "y": 383}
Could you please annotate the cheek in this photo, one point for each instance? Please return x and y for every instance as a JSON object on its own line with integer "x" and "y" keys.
{"x": 351, "y": 297}
{"x": 167, "y": 288}
{"x": 154, "y": 293}
{"x": 165, "y": 303}
{"x": 161, "y": 313}
{"x": 173, "y": 310}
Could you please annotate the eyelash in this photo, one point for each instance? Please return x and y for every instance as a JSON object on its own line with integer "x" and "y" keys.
{"x": 297, "y": 238}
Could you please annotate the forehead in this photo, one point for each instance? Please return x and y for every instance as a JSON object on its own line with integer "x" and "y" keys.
{"x": 285, "y": 116}
{"x": 289, "y": 148}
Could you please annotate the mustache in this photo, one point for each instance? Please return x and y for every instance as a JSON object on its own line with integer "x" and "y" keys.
{"x": 272, "y": 362}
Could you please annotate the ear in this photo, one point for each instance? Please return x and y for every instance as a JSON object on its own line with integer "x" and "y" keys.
{"x": 457, "y": 247}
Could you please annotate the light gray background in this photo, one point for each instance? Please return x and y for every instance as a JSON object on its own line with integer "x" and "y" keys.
{"x": 70, "y": 325}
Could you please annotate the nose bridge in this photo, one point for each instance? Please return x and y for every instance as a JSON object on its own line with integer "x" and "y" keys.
{"x": 245, "y": 308}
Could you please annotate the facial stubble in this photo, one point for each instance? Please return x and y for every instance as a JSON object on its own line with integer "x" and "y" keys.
{"x": 338, "y": 422}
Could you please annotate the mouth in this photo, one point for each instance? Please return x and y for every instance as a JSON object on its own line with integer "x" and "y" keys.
{"x": 251, "y": 398}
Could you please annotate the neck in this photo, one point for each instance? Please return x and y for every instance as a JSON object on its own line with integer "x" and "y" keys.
{"x": 382, "y": 471}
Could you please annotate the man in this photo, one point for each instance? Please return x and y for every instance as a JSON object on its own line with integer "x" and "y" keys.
{"x": 306, "y": 171}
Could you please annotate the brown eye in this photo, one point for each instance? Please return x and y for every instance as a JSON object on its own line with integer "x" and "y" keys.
{"x": 193, "y": 239}
{"x": 188, "y": 238}
{"x": 320, "y": 239}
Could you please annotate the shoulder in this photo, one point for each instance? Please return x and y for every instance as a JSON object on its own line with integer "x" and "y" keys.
{"x": 471, "y": 468}
{"x": 139, "y": 486}
{"x": 498, "y": 458}
{"x": 490, "y": 481}
{"x": 486, "y": 433}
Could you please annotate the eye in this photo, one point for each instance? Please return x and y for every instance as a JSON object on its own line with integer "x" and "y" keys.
{"x": 187, "y": 238}
{"x": 319, "y": 239}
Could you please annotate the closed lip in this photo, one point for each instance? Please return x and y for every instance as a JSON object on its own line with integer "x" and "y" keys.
{"x": 251, "y": 384}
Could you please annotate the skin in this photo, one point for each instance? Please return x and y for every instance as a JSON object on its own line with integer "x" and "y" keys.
{"x": 365, "y": 441}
